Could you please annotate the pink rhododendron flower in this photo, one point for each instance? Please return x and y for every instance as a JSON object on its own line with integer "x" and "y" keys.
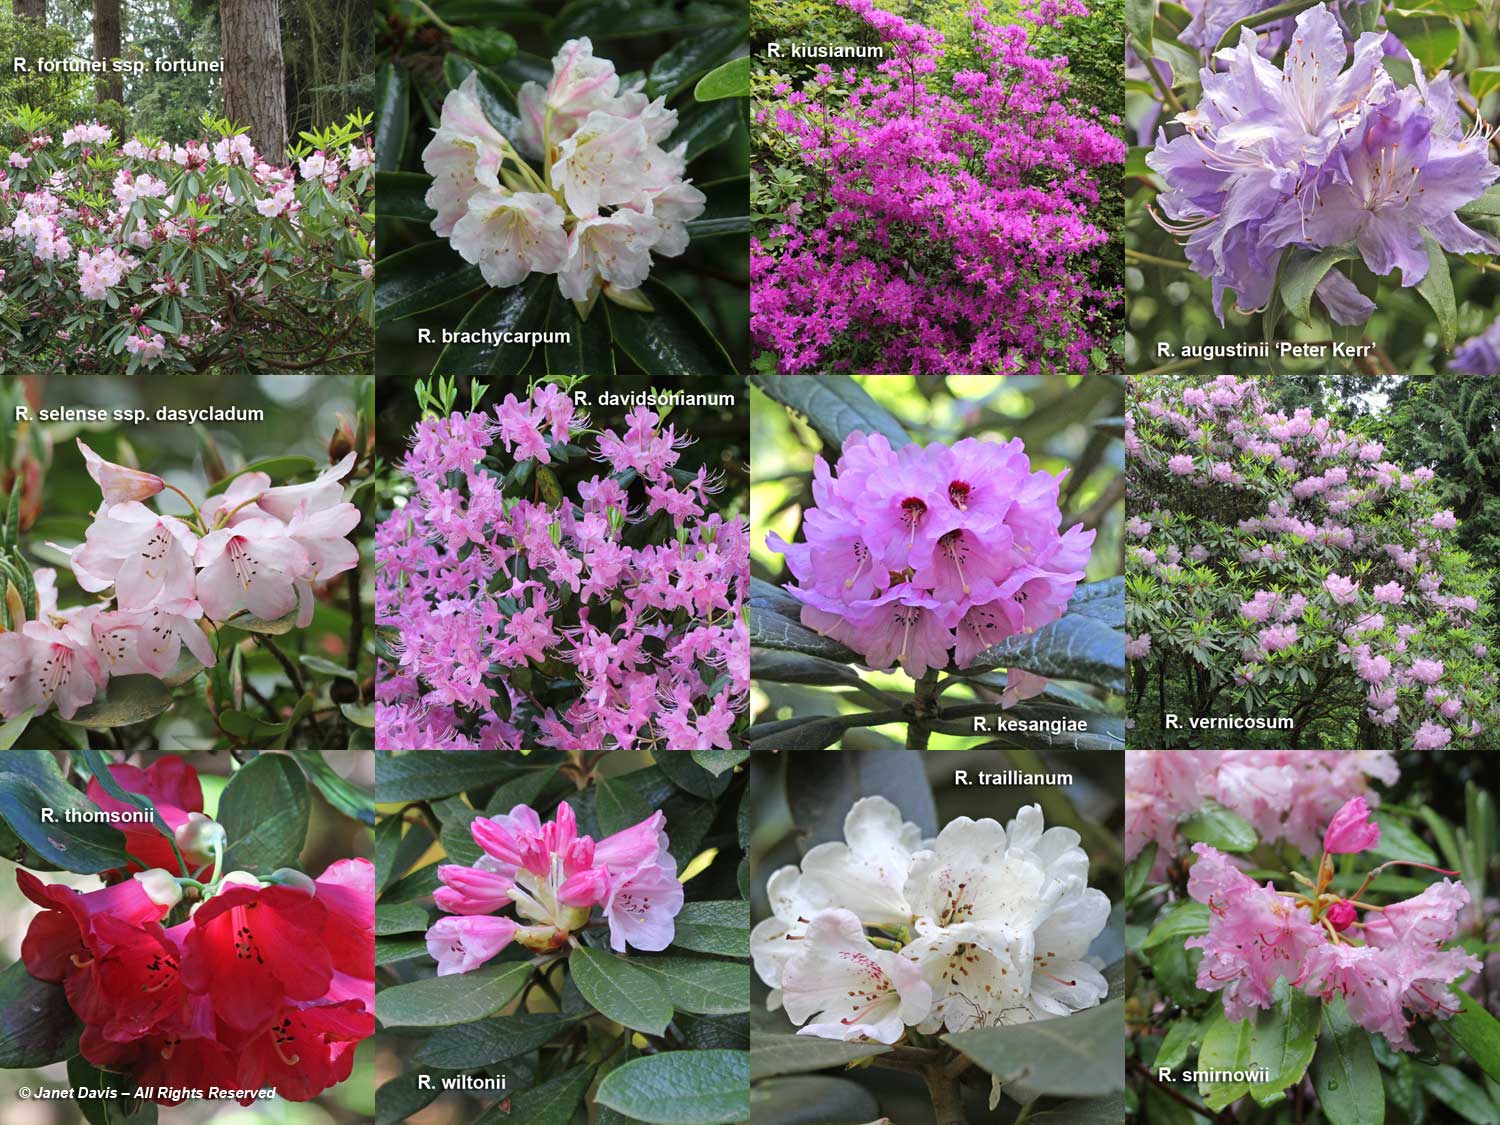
{"x": 1351, "y": 829}
{"x": 1431, "y": 736}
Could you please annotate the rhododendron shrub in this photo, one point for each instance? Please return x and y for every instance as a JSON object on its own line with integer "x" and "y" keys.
{"x": 221, "y": 974}
{"x": 936, "y": 939}
{"x": 1283, "y": 568}
{"x": 517, "y": 615}
{"x": 943, "y": 228}
{"x": 1342, "y": 936}
{"x": 945, "y": 560}
{"x": 1331, "y": 168}
{"x": 138, "y": 255}
{"x": 589, "y": 913}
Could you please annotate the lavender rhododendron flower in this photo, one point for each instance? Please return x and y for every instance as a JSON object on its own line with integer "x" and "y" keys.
{"x": 490, "y": 587}
{"x": 1396, "y": 970}
{"x": 554, "y": 878}
{"x": 607, "y": 198}
{"x": 985, "y": 925}
{"x": 914, "y": 553}
{"x": 1479, "y": 355}
{"x": 1315, "y": 155}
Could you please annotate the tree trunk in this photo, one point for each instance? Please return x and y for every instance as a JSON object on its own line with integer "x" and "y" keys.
{"x": 31, "y": 10}
{"x": 254, "y": 75}
{"x": 109, "y": 85}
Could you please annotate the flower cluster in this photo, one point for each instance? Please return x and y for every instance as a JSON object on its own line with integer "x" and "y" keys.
{"x": 148, "y": 255}
{"x": 1390, "y": 970}
{"x": 913, "y": 553}
{"x": 554, "y": 621}
{"x": 608, "y": 196}
{"x": 954, "y": 233}
{"x": 266, "y": 984}
{"x": 1290, "y": 542}
{"x": 1286, "y": 795}
{"x": 554, "y": 878}
{"x": 981, "y": 927}
{"x": 1314, "y": 156}
{"x": 252, "y": 550}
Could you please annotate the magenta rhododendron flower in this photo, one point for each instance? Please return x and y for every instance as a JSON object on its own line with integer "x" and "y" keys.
{"x": 913, "y": 553}
{"x": 554, "y": 878}
{"x": 1351, "y": 829}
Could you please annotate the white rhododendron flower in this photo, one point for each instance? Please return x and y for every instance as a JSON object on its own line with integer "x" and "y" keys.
{"x": 606, "y": 197}
{"x": 983, "y": 926}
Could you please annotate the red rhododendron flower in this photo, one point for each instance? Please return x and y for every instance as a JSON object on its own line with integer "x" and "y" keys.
{"x": 172, "y": 786}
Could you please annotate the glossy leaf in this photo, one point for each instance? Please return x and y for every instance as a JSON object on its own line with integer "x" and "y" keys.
{"x": 1461, "y": 1094}
{"x": 726, "y": 209}
{"x": 1081, "y": 1055}
{"x": 690, "y": 57}
{"x": 670, "y": 341}
{"x": 681, "y": 1088}
{"x": 423, "y": 277}
{"x": 703, "y": 126}
{"x": 37, "y": 1027}
{"x": 1283, "y": 1038}
{"x": 620, "y": 991}
{"x": 728, "y": 80}
{"x": 722, "y": 928}
{"x": 589, "y": 349}
{"x": 1477, "y": 1032}
{"x": 811, "y": 1099}
{"x": 30, "y": 782}
{"x": 835, "y": 406}
{"x": 392, "y": 97}
{"x": 400, "y": 918}
{"x": 1345, "y": 1073}
{"x": 495, "y": 99}
{"x": 1398, "y": 841}
{"x": 460, "y": 998}
{"x": 1226, "y": 1050}
{"x": 1081, "y": 646}
{"x": 1186, "y": 919}
{"x": 403, "y": 195}
{"x": 436, "y": 773}
{"x": 1216, "y": 826}
{"x": 771, "y": 1055}
{"x": 1300, "y": 273}
{"x": 264, "y": 810}
{"x": 519, "y": 309}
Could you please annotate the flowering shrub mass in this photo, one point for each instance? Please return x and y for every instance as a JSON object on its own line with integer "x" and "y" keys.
{"x": 607, "y": 620}
{"x": 914, "y": 553}
{"x": 1314, "y": 156}
{"x": 1279, "y": 564}
{"x": 983, "y": 926}
{"x": 949, "y": 230}
{"x": 608, "y": 195}
{"x": 1285, "y": 795}
{"x": 247, "y": 557}
{"x": 554, "y": 877}
{"x": 1390, "y": 969}
{"x": 194, "y": 257}
{"x": 269, "y": 983}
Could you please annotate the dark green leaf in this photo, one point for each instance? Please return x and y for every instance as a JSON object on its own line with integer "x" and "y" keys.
{"x": 1437, "y": 290}
{"x": 705, "y": 126}
{"x": 524, "y": 790}
{"x": 126, "y": 700}
{"x": 670, "y": 341}
{"x": 421, "y": 774}
{"x": 822, "y": 789}
{"x": 1461, "y": 1094}
{"x": 726, "y": 209}
{"x": 1431, "y": 42}
{"x": 1398, "y": 841}
{"x": 339, "y": 793}
{"x": 621, "y": 19}
{"x": 1226, "y": 1049}
{"x": 589, "y": 350}
{"x": 400, "y": 918}
{"x": 728, "y": 80}
{"x": 709, "y": 988}
{"x": 494, "y": 98}
{"x": 783, "y": 666}
{"x": 1345, "y": 1072}
{"x": 681, "y": 1088}
{"x": 691, "y": 57}
{"x": 423, "y": 277}
{"x": 30, "y": 782}
{"x": 264, "y": 811}
{"x": 1302, "y": 270}
{"x": 620, "y": 991}
{"x": 551, "y": 1103}
{"x": 486, "y": 1042}
{"x": 37, "y": 1027}
{"x": 1185, "y": 920}
{"x": 404, "y": 1095}
{"x": 487, "y": 45}
{"x": 390, "y": 950}
{"x": 1078, "y": 646}
{"x": 1477, "y": 1032}
{"x": 835, "y": 406}
{"x": 459, "y": 998}
{"x": 1139, "y": 871}
{"x": 685, "y": 773}
{"x": 720, "y": 762}
{"x": 1219, "y": 828}
{"x": 714, "y": 927}
{"x": 520, "y": 309}
{"x": 1108, "y": 1110}
{"x": 812, "y": 1099}
{"x": 126, "y": 1109}
{"x": 771, "y": 1055}
{"x": 392, "y": 97}
{"x": 1082, "y": 1055}
{"x": 1181, "y": 1037}
{"x": 811, "y": 733}
{"x": 403, "y": 195}
{"x": 618, "y": 806}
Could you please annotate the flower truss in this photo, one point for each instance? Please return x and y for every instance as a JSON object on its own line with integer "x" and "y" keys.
{"x": 492, "y": 597}
{"x": 1390, "y": 969}
{"x": 1285, "y": 794}
{"x": 983, "y": 926}
{"x": 914, "y": 553}
{"x": 193, "y": 257}
{"x": 607, "y": 197}
{"x": 954, "y": 233}
{"x": 266, "y": 983}
{"x": 554, "y": 878}
{"x": 251, "y": 553}
{"x": 1269, "y": 542}
{"x": 1315, "y": 156}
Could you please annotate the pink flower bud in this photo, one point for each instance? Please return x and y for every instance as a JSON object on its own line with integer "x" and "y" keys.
{"x": 1351, "y": 829}
{"x": 1340, "y": 915}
